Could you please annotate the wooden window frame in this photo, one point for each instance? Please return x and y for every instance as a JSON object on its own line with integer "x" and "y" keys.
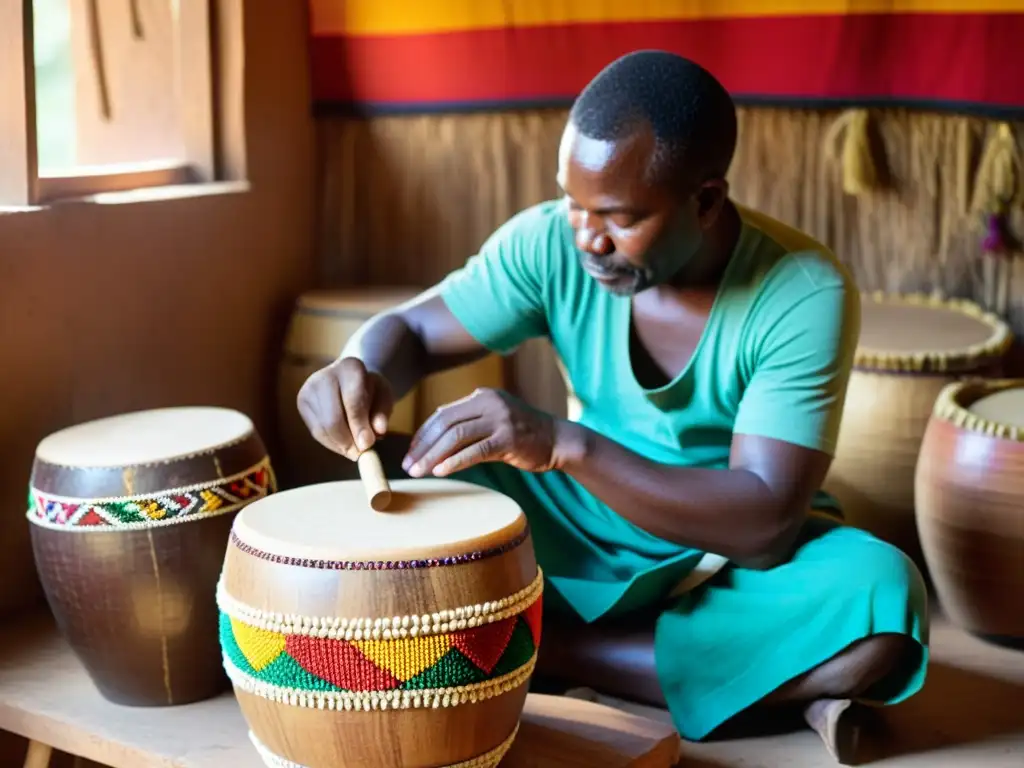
{"x": 21, "y": 185}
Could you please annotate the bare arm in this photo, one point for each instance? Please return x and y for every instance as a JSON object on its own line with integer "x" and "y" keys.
{"x": 750, "y": 513}
{"x": 415, "y": 340}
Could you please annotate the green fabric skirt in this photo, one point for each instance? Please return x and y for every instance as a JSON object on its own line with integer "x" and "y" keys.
{"x": 735, "y": 639}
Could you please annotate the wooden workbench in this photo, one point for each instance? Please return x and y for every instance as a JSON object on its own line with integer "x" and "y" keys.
{"x": 47, "y": 697}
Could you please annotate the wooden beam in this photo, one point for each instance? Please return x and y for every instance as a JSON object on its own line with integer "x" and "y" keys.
{"x": 18, "y": 157}
{"x": 194, "y": 67}
{"x": 39, "y": 755}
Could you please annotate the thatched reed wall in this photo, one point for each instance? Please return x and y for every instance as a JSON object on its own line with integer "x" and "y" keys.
{"x": 409, "y": 198}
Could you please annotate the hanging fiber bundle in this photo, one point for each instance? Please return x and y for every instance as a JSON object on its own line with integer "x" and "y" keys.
{"x": 857, "y": 156}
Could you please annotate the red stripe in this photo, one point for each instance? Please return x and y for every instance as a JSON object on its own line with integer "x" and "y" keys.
{"x": 935, "y": 57}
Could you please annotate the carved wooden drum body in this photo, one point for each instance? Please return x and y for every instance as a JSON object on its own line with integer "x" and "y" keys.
{"x": 970, "y": 505}
{"x": 129, "y": 519}
{"x": 321, "y": 325}
{"x": 910, "y": 348}
{"x": 372, "y": 639}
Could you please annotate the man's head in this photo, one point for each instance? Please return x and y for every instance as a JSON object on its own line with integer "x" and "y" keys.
{"x": 642, "y": 164}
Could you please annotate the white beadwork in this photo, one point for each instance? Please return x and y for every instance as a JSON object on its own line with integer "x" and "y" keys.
{"x": 40, "y": 499}
{"x": 371, "y": 700}
{"x": 363, "y": 627}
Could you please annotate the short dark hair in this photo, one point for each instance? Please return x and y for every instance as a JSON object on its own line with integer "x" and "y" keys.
{"x": 692, "y": 116}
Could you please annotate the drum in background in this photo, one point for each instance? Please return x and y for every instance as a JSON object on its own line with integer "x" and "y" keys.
{"x": 321, "y": 325}
{"x": 130, "y": 517}
{"x": 373, "y": 639}
{"x": 910, "y": 347}
{"x": 970, "y": 505}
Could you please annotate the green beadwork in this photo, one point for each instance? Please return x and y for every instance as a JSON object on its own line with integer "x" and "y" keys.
{"x": 519, "y": 651}
{"x": 286, "y": 672}
{"x": 451, "y": 670}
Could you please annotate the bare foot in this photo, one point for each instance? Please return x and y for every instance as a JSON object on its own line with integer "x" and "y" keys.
{"x": 837, "y": 725}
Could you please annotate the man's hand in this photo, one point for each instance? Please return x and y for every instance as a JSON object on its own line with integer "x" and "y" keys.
{"x": 346, "y": 407}
{"x": 489, "y": 425}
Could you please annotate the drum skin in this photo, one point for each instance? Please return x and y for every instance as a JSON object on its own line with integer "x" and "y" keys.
{"x": 447, "y": 687}
{"x": 888, "y": 403}
{"x": 137, "y": 603}
{"x": 970, "y": 512}
{"x": 320, "y": 326}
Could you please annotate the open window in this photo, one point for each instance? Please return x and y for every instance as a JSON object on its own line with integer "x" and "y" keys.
{"x": 104, "y": 96}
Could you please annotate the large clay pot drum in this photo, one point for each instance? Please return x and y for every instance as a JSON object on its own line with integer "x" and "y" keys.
{"x": 910, "y": 347}
{"x": 129, "y": 519}
{"x": 367, "y": 639}
{"x": 970, "y": 506}
{"x": 321, "y": 324}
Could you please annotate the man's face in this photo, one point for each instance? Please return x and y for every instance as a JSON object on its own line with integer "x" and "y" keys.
{"x": 631, "y": 234}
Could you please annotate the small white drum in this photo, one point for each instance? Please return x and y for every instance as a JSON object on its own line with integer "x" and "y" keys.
{"x": 375, "y": 639}
{"x": 130, "y": 516}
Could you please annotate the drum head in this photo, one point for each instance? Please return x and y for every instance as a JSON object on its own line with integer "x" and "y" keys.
{"x": 905, "y": 328}
{"x": 920, "y": 333}
{"x": 144, "y": 437}
{"x": 427, "y": 518}
{"x": 1005, "y": 407}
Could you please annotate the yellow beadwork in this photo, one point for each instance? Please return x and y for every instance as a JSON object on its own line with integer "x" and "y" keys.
{"x": 406, "y": 658}
{"x": 211, "y": 501}
{"x": 259, "y": 646}
{"x": 153, "y": 510}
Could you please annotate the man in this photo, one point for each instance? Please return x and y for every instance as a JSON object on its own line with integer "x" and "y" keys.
{"x": 710, "y": 347}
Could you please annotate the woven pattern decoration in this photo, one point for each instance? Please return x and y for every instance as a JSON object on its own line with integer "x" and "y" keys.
{"x": 951, "y": 405}
{"x": 996, "y": 345}
{"x": 176, "y": 505}
{"x": 441, "y": 669}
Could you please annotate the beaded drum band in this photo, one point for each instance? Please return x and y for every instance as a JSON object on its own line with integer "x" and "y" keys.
{"x": 168, "y": 507}
{"x": 450, "y": 657}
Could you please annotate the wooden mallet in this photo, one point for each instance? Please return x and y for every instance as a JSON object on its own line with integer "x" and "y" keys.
{"x": 378, "y": 490}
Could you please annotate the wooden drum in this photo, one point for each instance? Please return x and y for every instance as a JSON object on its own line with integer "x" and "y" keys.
{"x": 910, "y": 347}
{"x": 321, "y": 325}
{"x": 362, "y": 638}
{"x": 130, "y": 516}
{"x": 970, "y": 505}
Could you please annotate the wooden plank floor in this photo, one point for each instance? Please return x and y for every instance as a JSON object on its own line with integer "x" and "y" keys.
{"x": 970, "y": 714}
{"x": 46, "y": 696}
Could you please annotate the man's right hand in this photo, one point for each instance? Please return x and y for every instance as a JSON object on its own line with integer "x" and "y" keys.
{"x": 346, "y": 407}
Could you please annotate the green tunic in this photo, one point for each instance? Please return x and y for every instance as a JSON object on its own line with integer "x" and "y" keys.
{"x": 773, "y": 361}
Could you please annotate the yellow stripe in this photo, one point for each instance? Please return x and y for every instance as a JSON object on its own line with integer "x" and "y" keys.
{"x": 401, "y": 17}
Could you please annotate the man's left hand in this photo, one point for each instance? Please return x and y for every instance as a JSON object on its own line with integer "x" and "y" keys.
{"x": 489, "y": 425}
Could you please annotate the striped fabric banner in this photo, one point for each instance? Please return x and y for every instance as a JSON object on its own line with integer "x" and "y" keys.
{"x": 417, "y": 56}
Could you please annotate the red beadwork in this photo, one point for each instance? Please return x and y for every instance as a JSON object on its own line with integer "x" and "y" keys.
{"x": 484, "y": 645}
{"x": 339, "y": 663}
